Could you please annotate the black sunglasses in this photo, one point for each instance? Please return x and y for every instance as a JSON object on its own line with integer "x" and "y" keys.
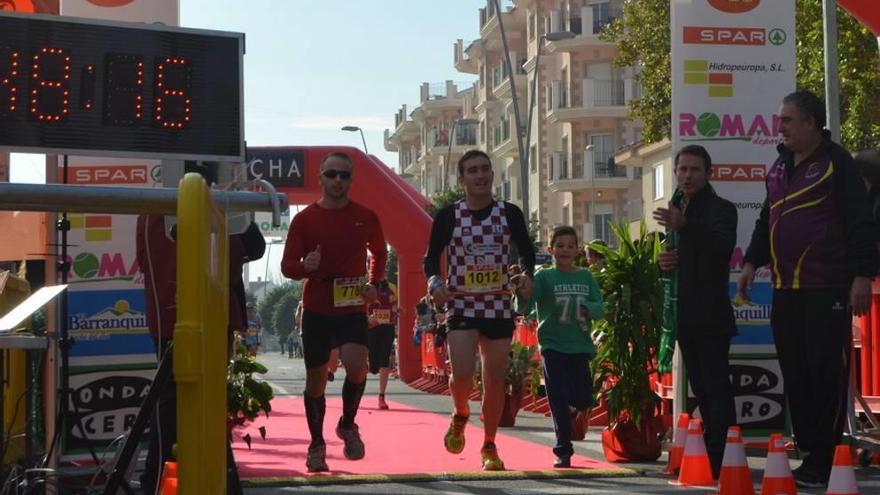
{"x": 332, "y": 174}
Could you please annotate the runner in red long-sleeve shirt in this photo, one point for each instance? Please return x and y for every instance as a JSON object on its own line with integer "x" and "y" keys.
{"x": 327, "y": 245}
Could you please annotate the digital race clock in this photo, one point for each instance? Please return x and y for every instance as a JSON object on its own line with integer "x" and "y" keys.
{"x": 98, "y": 88}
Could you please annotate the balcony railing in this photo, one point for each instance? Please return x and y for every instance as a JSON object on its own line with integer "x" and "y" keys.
{"x": 581, "y": 165}
{"x": 465, "y": 135}
{"x": 591, "y": 19}
{"x": 607, "y": 93}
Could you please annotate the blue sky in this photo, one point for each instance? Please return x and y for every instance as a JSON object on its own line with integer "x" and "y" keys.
{"x": 313, "y": 66}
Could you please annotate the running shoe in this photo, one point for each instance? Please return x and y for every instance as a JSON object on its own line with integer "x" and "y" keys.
{"x": 563, "y": 461}
{"x": 316, "y": 459}
{"x": 454, "y": 439}
{"x": 354, "y": 446}
{"x": 491, "y": 461}
{"x": 382, "y": 403}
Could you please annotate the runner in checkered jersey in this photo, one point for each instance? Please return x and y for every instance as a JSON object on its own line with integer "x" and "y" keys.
{"x": 477, "y": 234}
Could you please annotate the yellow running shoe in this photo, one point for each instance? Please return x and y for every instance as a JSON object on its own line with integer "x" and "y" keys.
{"x": 454, "y": 439}
{"x": 491, "y": 461}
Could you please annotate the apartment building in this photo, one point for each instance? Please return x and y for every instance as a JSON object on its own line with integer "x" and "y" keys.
{"x": 658, "y": 180}
{"x": 579, "y": 115}
{"x": 430, "y": 139}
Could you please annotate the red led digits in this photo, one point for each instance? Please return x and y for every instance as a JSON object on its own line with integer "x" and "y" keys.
{"x": 49, "y": 98}
{"x": 9, "y": 60}
{"x": 87, "y": 87}
{"x": 171, "y": 99}
{"x": 123, "y": 89}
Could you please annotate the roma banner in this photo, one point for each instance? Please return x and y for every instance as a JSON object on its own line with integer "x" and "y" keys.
{"x": 732, "y": 63}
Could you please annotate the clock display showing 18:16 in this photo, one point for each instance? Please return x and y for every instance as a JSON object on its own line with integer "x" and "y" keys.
{"x": 37, "y": 85}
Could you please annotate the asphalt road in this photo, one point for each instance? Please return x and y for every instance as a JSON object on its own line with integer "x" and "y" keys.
{"x": 287, "y": 377}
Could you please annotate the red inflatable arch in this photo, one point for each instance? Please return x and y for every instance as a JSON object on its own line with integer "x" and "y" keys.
{"x": 405, "y": 221}
{"x": 867, "y": 12}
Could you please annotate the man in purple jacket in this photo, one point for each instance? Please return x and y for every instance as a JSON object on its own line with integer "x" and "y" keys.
{"x": 816, "y": 234}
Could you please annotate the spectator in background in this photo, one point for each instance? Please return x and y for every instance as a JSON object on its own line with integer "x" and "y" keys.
{"x": 595, "y": 259}
{"x": 868, "y": 163}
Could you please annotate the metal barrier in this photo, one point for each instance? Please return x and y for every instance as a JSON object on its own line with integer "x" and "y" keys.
{"x": 13, "y": 290}
{"x": 200, "y": 337}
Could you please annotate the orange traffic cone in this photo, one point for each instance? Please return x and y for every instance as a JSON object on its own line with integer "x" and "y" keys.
{"x": 168, "y": 482}
{"x": 777, "y": 475}
{"x": 695, "y": 468}
{"x": 843, "y": 478}
{"x": 736, "y": 479}
{"x": 679, "y": 437}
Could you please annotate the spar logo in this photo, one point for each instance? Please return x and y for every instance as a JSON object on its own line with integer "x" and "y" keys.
{"x": 719, "y": 83}
{"x": 708, "y": 126}
{"x": 734, "y": 6}
{"x": 113, "y": 175}
{"x": 704, "y": 35}
{"x": 118, "y": 317}
{"x": 738, "y": 172}
{"x": 90, "y": 267}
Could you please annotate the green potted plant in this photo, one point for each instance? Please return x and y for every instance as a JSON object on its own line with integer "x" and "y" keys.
{"x": 522, "y": 376}
{"x": 626, "y": 342}
{"x": 246, "y": 397}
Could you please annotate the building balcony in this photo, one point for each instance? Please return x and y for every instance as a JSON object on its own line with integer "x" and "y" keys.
{"x": 488, "y": 20}
{"x": 584, "y": 171}
{"x": 598, "y": 98}
{"x": 438, "y": 97}
{"x": 501, "y": 89}
{"x": 463, "y": 61}
{"x": 586, "y": 24}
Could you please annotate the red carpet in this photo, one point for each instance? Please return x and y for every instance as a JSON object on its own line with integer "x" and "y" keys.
{"x": 402, "y": 441}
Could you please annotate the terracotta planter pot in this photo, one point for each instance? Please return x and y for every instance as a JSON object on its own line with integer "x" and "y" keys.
{"x": 624, "y": 442}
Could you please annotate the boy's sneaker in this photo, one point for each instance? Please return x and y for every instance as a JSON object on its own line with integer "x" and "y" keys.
{"x": 316, "y": 459}
{"x": 563, "y": 461}
{"x": 454, "y": 439}
{"x": 805, "y": 477}
{"x": 354, "y": 446}
{"x": 491, "y": 461}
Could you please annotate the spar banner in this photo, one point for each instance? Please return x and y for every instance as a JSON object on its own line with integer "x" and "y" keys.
{"x": 112, "y": 350}
{"x": 112, "y": 359}
{"x": 732, "y": 63}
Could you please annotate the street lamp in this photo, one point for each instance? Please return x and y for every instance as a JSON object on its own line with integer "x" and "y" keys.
{"x": 269, "y": 245}
{"x": 555, "y": 36}
{"x": 588, "y": 154}
{"x": 353, "y": 128}
{"x": 461, "y": 121}
{"x": 523, "y": 166}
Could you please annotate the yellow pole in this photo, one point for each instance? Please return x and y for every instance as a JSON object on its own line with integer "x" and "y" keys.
{"x": 200, "y": 337}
